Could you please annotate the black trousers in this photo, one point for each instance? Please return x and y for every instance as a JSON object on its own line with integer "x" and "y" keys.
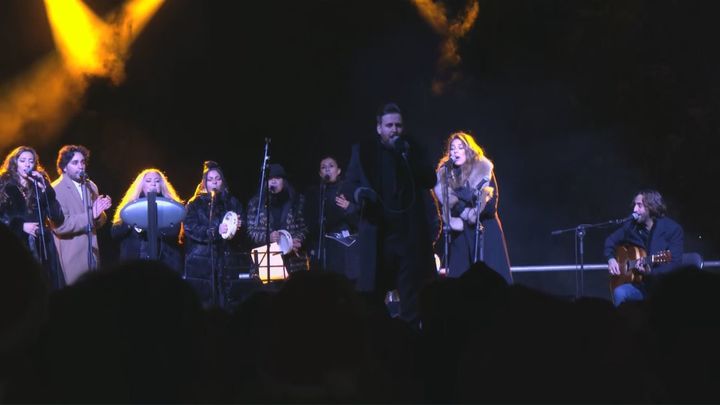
{"x": 404, "y": 265}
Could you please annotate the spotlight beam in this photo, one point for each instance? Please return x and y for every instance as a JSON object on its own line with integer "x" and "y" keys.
{"x": 40, "y": 101}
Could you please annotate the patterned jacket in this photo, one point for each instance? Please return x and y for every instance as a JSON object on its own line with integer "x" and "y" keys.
{"x": 292, "y": 220}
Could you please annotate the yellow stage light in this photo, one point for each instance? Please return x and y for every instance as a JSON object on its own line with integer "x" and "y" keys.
{"x": 42, "y": 100}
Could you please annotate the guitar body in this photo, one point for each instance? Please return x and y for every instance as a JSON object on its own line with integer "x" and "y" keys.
{"x": 628, "y": 258}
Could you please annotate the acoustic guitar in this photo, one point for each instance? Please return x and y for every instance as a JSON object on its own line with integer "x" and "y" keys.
{"x": 634, "y": 263}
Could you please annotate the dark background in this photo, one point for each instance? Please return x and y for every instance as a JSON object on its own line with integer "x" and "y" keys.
{"x": 578, "y": 103}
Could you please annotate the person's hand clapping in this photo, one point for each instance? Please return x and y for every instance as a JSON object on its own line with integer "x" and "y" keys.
{"x": 101, "y": 204}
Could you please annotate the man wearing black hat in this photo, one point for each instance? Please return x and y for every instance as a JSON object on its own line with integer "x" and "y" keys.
{"x": 392, "y": 178}
{"x": 286, "y": 213}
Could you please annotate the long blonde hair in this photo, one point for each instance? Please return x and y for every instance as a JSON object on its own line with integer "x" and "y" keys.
{"x": 133, "y": 192}
{"x": 473, "y": 153}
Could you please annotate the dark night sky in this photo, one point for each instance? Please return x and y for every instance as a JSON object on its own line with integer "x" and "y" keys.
{"x": 579, "y": 103}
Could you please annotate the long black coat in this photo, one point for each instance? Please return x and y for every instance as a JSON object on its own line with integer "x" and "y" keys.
{"x": 366, "y": 171}
{"x": 15, "y": 211}
{"x": 206, "y": 250}
{"x": 492, "y": 242}
{"x": 337, "y": 258}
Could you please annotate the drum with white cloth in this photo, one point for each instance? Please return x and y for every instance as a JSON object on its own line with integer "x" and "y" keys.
{"x": 277, "y": 249}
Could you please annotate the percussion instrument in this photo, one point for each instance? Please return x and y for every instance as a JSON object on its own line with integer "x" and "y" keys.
{"x": 277, "y": 249}
{"x": 231, "y": 220}
{"x": 285, "y": 241}
{"x": 169, "y": 213}
{"x": 277, "y": 266}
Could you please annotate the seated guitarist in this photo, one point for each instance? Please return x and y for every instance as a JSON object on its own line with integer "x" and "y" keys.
{"x": 652, "y": 231}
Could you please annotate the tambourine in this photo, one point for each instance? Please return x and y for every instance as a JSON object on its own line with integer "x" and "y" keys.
{"x": 285, "y": 241}
{"x": 231, "y": 220}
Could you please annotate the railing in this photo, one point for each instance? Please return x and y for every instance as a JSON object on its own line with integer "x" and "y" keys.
{"x": 572, "y": 267}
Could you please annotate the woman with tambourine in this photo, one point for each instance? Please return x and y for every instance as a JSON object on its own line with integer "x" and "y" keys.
{"x": 213, "y": 252}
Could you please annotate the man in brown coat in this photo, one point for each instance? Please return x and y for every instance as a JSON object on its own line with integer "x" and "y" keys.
{"x": 71, "y": 189}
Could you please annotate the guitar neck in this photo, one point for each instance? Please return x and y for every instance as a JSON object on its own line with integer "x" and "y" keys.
{"x": 655, "y": 259}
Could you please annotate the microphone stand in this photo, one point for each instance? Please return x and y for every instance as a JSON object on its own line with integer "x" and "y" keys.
{"x": 41, "y": 222}
{"x": 211, "y": 245}
{"x": 152, "y": 231}
{"x": 89, "y": 227}
{"x": 321, "y": 246}
{"x": 265, "y": 192}
{"x": 580, "y": 231}
{"x": 479, "y": 248}
{"x": 446, "y": 221}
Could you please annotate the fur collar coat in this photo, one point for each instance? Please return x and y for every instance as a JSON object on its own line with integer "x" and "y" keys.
{"x": 471, "y": 175}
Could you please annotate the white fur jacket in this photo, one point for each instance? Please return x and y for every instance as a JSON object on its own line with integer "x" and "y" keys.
{"x": 471, "y": 176}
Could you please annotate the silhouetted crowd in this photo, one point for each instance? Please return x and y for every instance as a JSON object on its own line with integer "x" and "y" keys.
{"x": 138, "y": 333}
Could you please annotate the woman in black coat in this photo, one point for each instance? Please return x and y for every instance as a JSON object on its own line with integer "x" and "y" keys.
{"x": 24, "y": 183}
{"x": 214, "y": 250}
{"x": 134, "y": 242}
{"x": 470, "y": 181}
{"x": 336, "y": 250}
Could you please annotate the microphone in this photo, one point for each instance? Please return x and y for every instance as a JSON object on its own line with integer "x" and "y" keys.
{"x": 326, "y": 178}
{"x": 272, "y": 188}
{"x": 450, "y": 163}
{"x": 82, "y": 176}
{"x": 28, "y": 173}
{"x": 634, "y": 216}
{"x": 402, "y": 147}
{"x": 483, "y": 182}
{"x": 33, "y": 177}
